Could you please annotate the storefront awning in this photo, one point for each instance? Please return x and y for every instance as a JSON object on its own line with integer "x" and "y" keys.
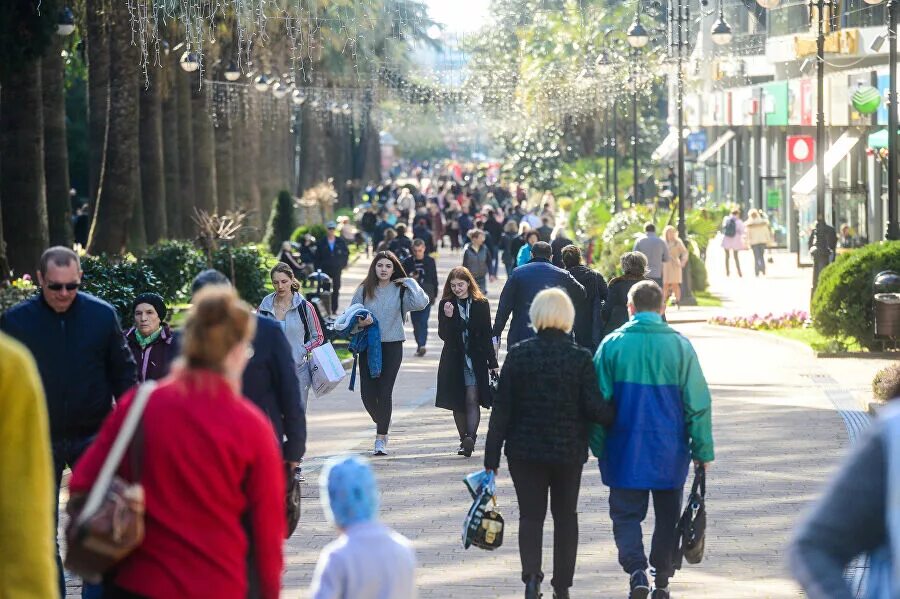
{"x": 833, "y": 155}
{"x": 878, "y": 140}
{"x": 666, "y": 149}
{"x": 715, "y": 147}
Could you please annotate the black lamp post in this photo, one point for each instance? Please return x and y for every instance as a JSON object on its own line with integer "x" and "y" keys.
{"x": 638, "y": 37}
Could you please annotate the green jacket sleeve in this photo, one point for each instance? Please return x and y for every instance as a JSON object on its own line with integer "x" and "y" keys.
{"x": 597, "y": 439}
{"x": 697, "y": 407}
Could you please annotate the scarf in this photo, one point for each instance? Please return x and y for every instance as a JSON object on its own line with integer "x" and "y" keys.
{"x": 145, "y": 341}
{"x": 464, "y": 307}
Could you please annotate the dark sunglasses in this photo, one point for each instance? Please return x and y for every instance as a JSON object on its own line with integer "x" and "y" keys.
{"x": 59, "y": 286}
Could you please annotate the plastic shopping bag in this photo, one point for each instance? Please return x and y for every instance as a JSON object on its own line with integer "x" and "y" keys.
{"x": 327, "y": 370}
{"x": 482, "y": 487}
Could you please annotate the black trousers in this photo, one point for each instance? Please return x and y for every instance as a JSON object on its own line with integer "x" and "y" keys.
{"x": 627, "y": 509}
{"x": 532, "y": 480}
{"x": 335, "y": 275}
{"x": 377, "y": 394}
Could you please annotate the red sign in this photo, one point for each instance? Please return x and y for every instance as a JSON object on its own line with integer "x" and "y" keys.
{"x": 807, "y": 99}
{"x": 800, "y": 148}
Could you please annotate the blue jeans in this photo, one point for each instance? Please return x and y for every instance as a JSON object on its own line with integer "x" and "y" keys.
{"x": 420, "y": 325}
{"x": 66, "y": 452}
{"x": 627, "y": 509}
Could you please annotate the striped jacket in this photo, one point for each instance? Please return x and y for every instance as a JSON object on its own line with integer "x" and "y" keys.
{"x": 663, "y": 406}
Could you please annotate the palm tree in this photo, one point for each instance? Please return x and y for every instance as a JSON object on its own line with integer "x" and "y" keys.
{"x": 97, "y": 42}
{"x": 175, "y": 218}
{"x": 204, "y": 147}
{"x": 186, "y": 154}
{"x": 153, "y": 182}
{"x": 56, "y": 153}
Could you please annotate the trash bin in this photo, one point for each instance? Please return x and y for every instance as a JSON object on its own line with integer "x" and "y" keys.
{"x": 886, "y": 288}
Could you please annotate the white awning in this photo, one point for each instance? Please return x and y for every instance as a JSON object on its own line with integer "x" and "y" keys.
{"x": 837, "y": 152}
{"x": 715, "y": 147}
{"x": 666, "y": 149}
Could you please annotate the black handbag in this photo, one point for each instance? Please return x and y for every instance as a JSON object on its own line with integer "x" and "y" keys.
{"x": 489, "y": 535}
{"x": 493, "y": 389}
{"x": 690, "y": 532}
{"x": 294, "y": 478}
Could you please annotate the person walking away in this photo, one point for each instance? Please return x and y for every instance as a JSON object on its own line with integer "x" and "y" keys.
{"x": 733, "y": 231}
{"x": 545, "y": 231}
{"x": 650, "y": 373}
{"x": 673, "y": 269}
{"x": 382, "y": 226}
{"x": 521, "y": 288}
{"x": 656, "y": 251}
{"x": 437, "y": 224}
{"x": 353, "y": 565}
{"x": 758, "y": 236}
{"x": 389, "y": 295}
{"x": 453, "y": 227}
{"x": 421, "y": 231}
{"x": 857, "y": 515}
{"x": 464, "y": 324}
{"x": 494, "y": 228}
{"x": 82, "y": 357}
{"x": 26, "y": 520}
{"x": 367, "y": 223}
{"x": 270, "y": 379}
{"x": 614, "y": 312}
{"x": 422, "y": 267}
{"x": 389, "y": 236}
{"x": 587, "y": 329}
{"x": 509, "y": 253}
{"x": 556, "y": 246}
{"x": 332, "y": 255}
{"x": 477, "y": 258}
{"x": 548, "y": 394}
{"x": 298, "y": 320}
{"x": 215, "y": 499}
{"x": 150, "y": 339}
{"x": 524, "y": 256}
{"x": 401, "y": 245}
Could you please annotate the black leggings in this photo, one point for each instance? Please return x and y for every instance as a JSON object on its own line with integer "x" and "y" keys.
{"x": 467, "y": 420}
{"x": 377, "y": 393}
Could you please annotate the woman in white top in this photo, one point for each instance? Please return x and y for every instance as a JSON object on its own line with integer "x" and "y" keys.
{"x": 389, "y": 295}
{"x": 298, "y": 320}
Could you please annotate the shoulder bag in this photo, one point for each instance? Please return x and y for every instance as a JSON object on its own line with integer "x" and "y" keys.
{"x": 690, "y": 532}
{"x": 109, "y": 524}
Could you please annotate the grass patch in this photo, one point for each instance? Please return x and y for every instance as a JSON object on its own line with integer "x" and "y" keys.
{"x": 705, "y": 299}
{"x": 816, "y": 340}
{"x": 343, "y": 353}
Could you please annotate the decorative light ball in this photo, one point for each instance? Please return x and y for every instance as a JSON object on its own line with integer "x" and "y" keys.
{"x": 721, "y": 33}
{"x": 314, "y": 104}
{"x": 261, "y": 83}
{"x": 190, "y": 61}
{"x": 346, "y": 109}
{"x": 637, "y": 35}
{"x": 66, "y": 23}
{"x": 298, "y": 97}
{"x": 873, "y": 1}
{"x": 232, "y": 72}
{"x": 279, "y": 90}
{"x": 768, "y": 4}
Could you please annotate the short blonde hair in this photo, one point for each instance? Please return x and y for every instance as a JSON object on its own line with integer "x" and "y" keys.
{"x": 552, "y": 309}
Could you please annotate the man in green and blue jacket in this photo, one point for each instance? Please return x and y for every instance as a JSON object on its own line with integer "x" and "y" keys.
{"x": 663, "y": 421}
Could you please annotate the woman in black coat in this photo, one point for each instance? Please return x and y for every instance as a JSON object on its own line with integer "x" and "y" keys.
{"x": 463, "y": 385}
{"x": 614, "y": 312}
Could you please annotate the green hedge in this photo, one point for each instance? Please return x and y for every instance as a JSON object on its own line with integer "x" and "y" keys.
{"x": 281, "y": 222}
{"x": 843, "y": 304}
{"x": 699, "y": 275}
{"x": 249, "y": 275}
{"x": 119, "y": 282}
{"x": 175, "y": 263}
{"x": 317, "y": 231}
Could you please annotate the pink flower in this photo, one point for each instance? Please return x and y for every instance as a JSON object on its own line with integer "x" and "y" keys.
{"x": 26, "y": 277}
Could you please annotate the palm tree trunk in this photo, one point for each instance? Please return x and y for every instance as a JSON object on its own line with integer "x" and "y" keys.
{"x": 136, "y": 242}
{"x": 186, "y": 156}
{"x": 153, "y": 183}
{"x": 97, "y": 40}
{"x": 119, "y": 183}
{"x": 313, "y": 167}
{"x": 4, "y": 261}
{"x": 56, "y": 153}
{"x": 22, "y": 184}
{"x": 176, "y": 227}
{"x": 252, "y": 128}
{"x": 204, "y": 149}
{"x": 371, "y": 142}
{"x": 224, "y": 133}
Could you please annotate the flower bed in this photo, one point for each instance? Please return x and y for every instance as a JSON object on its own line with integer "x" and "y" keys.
{"x": 769, "y": 322}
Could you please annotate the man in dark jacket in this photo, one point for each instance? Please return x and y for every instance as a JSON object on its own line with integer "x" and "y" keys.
{"x": 421, "y": 267}
{"x": 588, "y": 329}
{"x": 525, "y": 283}
{"x": 82, "y": 358}
{"x": 556, "y": 247}
{"x": 270, "y": 380}
{"x": 423, "y": 232}
{"x": 331, "y": 258}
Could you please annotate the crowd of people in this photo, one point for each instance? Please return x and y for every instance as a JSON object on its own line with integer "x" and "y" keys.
{"x": 591, "y": 365}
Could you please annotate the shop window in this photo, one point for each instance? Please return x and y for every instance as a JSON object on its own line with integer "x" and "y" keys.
{"x": 858, "y": 13}
{"x": 790, "y": 17}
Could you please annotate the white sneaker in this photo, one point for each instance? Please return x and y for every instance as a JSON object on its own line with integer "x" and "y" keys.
{"x": 380, "y": 447}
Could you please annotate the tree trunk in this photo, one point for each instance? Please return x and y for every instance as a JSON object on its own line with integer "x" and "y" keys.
{"x": 224, "y": 133}
{"x": 153, "y": 183}
{"x": 313, "y": 156}
{"x": 97, "y": 40}
{"x": 56, "y": 153}
{"x": 175, "y": 218}
{"x": 119, "y": 183}
{"x": 253, "y": 199}
{"x": 204, "y": 149}
{"x": 4, "y": 261}
{"x": 137, "y": 230}
{"x": 22, "y": 184}
{"x": 186, "y": 155}
{"x": 371, "y": 143}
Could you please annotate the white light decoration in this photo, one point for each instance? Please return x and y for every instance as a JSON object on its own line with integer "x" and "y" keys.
{"x": 637, "y": 34}
{"x": 873, "y": 1}
{"x": 261, "y": 83}
{"x": 346, "y": 109}
{"x": 721, "y": 33}
{"x": 298, "y": 97}
{"x": 66, "y": 24}
{"x": 768, "y": 4}
{"x": 189, "y": 61}
{"x": 232, "y": 72}
{"x": 279, "y": 90}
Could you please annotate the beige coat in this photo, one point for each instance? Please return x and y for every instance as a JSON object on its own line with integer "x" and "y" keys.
{"x": 758, "y": 231}
{"x": 678, "y": 258}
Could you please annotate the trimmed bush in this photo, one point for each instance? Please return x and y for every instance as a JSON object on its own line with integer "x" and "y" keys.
{"x": 699, "y": 276}
{"x": 886, "y": 384}
{"x": 119, "y": 282}
{"x": 175, "y": 263}
{"x": 18, "y": 291}
{"x": 843, "y": 305}
{"x": 245, "y": 266}
{"x": 317, "y": 231}
{"x": 281, "y": 222}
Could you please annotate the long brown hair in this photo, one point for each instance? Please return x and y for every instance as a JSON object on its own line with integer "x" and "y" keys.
{"x": 370, "y": 283}
{"x": 463, "y": 274}
{"x": 284, "y": 269}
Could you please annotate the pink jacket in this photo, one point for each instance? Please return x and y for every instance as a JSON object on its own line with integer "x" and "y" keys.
{"x": 739, "y": 241}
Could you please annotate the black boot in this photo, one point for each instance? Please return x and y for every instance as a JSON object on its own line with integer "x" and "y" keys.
{"x": 533, "y": 587}
{"x": 560, "y": 593}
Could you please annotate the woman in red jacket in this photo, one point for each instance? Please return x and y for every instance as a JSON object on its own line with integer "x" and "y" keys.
{"x": 211, "y": 470}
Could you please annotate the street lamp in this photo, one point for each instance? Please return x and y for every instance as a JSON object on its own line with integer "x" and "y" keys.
{"x": 279, "y": 90}
{"x": 261, "y": 83}
{"x": 190, "y": 61}
{"x": 298, "y": 97}
{"x": 232, "y": 72}
{"x": 637, "y": 34}
{"x": 721, "y": 33}
{"x": 66, "y": 23}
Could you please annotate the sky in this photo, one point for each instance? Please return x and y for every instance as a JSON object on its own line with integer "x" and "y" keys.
{"x": 458, "y": 15}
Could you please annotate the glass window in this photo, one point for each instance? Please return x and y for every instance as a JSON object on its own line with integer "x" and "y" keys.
{"x": 791, "y": 16}
{"x": 857, "y": 13}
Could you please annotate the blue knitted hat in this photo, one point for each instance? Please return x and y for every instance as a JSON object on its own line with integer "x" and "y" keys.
{"x": 348, "y": 491}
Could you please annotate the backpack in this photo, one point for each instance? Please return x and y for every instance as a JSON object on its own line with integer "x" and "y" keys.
{"x": 730, "y": 228}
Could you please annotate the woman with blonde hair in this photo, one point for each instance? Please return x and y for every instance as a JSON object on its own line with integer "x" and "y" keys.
{"x": 210, "y": 468}
{"x": 298, "y": 320}
{"x": 464, "y": 324}
{"x": 759, "y": 236}
{"x": 673, "y": 269}
{"x": 547, "y": 397}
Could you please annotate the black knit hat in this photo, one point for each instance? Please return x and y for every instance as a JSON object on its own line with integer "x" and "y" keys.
{"x": 154, "y": 300}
